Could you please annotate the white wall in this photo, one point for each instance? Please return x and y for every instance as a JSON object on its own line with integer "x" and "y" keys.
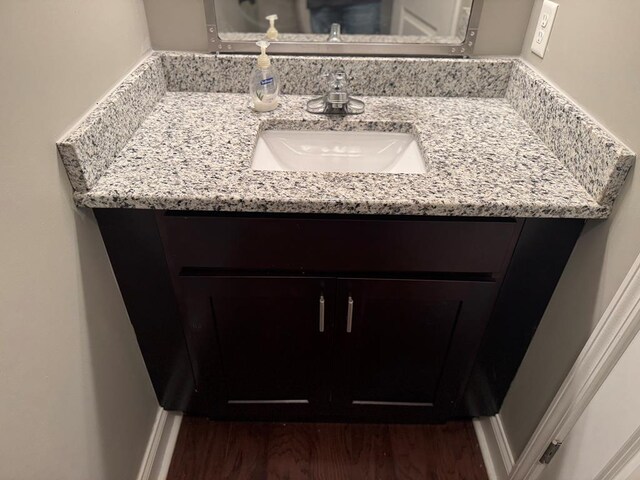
{"x": 180, "y": 25}
{"x": 75, "y": 398}
{"x": 601, "y": 71}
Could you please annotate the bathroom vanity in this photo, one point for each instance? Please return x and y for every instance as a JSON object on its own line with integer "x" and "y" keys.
{"x": 329, "y": 295}
{"x": 282, "y": 317}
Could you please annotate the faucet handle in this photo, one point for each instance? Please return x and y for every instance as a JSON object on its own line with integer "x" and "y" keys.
{"x": 338, "y": 80}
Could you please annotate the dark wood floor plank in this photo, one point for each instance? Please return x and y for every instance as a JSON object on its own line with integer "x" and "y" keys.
{"x": 289, "y": 451}
{"x": 199, "y": 449}
{"x": 345, "y": 452}
{"x": 330, "y": 458}
{"x": 411, "y": 459}
{"x": 246, "y": 456}
{"x": 209, "y": 450}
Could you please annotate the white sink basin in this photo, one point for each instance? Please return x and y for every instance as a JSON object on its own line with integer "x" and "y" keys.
{"x": 328, "y": 151}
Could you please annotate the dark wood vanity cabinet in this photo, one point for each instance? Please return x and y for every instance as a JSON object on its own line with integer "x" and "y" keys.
{"x": 289, "y": 317}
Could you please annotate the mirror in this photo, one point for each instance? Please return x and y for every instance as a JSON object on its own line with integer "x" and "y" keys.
{"x": 402, "y": 27}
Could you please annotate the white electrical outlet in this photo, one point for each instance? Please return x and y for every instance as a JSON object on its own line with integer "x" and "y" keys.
{"x": 543, "y": 29}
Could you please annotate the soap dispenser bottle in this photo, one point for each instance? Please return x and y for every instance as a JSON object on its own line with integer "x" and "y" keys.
{"x": 264, "y": 84}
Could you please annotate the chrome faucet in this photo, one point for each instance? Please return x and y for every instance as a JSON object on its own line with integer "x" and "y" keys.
{"x": 337, "y": 99}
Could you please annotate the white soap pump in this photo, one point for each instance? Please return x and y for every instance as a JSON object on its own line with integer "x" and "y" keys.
{"x": 272, "y": 33}
{"x": 264, "y": 84}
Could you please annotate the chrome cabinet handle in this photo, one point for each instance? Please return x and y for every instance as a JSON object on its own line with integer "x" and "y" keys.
{"x": 321, "y": 327}
{"x": 350, "y": 314}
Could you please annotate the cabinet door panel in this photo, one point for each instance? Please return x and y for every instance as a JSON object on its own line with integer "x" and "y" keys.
{"x": 258, "y": 340}
{"x": 407, "y": 348}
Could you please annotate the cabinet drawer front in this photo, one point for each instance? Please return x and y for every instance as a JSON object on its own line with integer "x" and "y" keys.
{"x": 332, "y": 244}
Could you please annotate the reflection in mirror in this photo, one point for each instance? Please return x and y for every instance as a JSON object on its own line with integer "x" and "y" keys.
{"x": 392, "y": 21}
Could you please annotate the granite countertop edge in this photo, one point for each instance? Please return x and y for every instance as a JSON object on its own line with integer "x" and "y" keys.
{"x": 341, "y": 207}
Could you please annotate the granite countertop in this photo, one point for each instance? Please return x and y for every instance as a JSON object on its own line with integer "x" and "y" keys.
{"x": 486, "y": 154}
{"x": 482, "y": 159}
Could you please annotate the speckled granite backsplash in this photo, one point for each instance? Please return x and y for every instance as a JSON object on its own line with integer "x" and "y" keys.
{"x": 424, "y": 77}
{"x": 591, "y": 154}
{"x": 497, "y": 138}
{"x": 89, "y": 150}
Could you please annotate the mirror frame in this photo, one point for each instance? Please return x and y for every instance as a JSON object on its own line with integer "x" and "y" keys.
{"x": 463, "y": 49}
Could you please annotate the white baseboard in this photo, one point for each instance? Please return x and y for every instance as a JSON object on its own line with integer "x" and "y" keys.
{"x": 494, "y": 445}
{"x": 157, "y": 458}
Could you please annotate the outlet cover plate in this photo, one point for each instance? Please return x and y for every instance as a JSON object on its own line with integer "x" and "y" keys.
{"x": 543, "y": 28}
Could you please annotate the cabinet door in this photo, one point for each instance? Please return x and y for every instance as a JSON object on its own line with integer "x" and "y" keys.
{"x": 259, "y": 344}
{"x": 405, "y": 347}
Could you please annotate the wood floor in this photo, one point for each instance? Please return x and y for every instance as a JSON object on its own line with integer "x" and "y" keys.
{"x": 259, "y": 451}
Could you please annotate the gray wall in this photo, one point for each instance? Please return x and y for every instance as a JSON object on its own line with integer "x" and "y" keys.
{"x": 502, "y": 26}
{"x": 601, "y": 71}
{"x": 75, "y": 398}
{"x": 180, "y": 25}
